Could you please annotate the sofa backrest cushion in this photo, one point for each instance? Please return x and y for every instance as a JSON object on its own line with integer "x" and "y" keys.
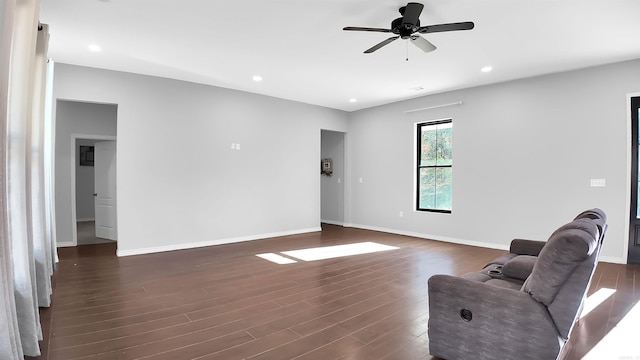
{"x": 569, "y": 301}
{"x": 567, "y": 247}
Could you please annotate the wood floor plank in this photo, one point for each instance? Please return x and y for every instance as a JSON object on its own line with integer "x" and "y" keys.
{"x": 332, "y": 350}
{"x": 303, "y": 345}
{"x": 255, "y": 347}
{"x": 197, "y": 347}
{"x": 347, "y": 311}
{"x": 382, "y": 346}
{"x": 115, "y": 333}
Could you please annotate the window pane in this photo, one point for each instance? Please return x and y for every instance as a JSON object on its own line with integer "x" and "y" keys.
{"x": 428, "y": 143}
{"x": 427, "y": 188}
{"x": 435, "y": 145}
{"x": 638, "y": 205}
{"x": 435, "y": 188}
{"x": 443, "y": 189}
{"x": 443, "y": 144}
{"x": 638, "y": 126}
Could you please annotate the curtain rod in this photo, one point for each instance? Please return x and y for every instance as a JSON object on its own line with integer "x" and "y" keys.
{"x": 433, "y": 107}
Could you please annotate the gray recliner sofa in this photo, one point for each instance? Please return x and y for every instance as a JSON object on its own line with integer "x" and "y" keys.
{"x": 523, "y": 304}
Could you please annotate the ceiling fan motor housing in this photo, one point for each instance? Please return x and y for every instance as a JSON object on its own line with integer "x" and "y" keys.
{"x": 404, "y": 29}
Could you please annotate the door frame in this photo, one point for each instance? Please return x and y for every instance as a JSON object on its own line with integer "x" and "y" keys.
{"x": 629, "y": 223}
{"x": 74, "y": 137}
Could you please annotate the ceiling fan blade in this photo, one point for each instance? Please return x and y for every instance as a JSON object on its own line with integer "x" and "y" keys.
{"x": 378, "y": 46}
{"x": 412, "y": 13}
{"x": 446, "y": 27}
{"x": 422, "y": 43}
{"x": 355, "y": 28}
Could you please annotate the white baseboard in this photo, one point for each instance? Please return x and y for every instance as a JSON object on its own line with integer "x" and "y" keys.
{"x": 608, "y": 259}
{"x": 432, "y": 237}
{"x": 65, "y": 244}
{"x": 85, "y": 220}
{"x": 157, "y": 249}
{"x": 612, "y": 259}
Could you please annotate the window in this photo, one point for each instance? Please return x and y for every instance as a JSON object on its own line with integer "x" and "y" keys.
{"x": 434, "y": 166}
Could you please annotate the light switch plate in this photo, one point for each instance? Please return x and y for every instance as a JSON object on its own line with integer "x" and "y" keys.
{"x": 598, "y": 183}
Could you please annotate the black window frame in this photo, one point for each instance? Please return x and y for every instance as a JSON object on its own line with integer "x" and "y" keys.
{"x": 419, "y": 127}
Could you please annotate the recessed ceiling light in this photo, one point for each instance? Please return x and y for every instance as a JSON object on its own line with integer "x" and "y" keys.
{"x": 257, "y": 78}
{"x": 486, "y": 69}
{"x": 95, "y": 48}
{"x": 353, "y": 100}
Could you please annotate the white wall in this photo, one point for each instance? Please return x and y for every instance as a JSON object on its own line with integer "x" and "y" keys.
{"x": 179, "y": 182}
{"x": 524, "y": 154}
{"x": 85, "y": 203}
{"x": 74, "y": 118}
{"x": 333, "y": 147}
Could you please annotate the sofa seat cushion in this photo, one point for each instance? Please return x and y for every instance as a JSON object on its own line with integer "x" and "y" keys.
{"x": 476, "y": 276}
{"x": 519, "y": 267}
{"x": 492, "y": 274}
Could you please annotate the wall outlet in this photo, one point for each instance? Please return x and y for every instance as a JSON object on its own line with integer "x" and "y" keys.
{"x": 401, "y": 214}
{"x": 360, "y": 180}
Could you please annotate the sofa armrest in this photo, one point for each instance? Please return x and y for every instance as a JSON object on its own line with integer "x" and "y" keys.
{"x": 526, "y": 247}
{"x": 504, "y": 324}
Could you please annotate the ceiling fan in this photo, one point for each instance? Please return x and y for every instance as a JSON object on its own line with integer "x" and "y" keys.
{"x": 408, "y": 25}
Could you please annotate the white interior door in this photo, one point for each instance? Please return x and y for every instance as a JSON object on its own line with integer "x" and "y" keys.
{"x": 105, "y": 189}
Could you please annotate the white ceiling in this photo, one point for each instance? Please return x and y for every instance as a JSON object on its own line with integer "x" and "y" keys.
{"x": 301, "y": 51}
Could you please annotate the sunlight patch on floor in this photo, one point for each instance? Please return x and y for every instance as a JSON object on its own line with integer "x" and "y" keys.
{"x": 596, "y": 299}
{"x": 326, "y": 252}
{"x": 330, "y": 252}
{"x": 278, "y": 259}
{"x": 621, "y": 342}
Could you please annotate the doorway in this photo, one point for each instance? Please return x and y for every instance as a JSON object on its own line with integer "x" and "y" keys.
{"x": 93, "y": 177}
{"x": 332, "y": 182}
{"x": 85, "y": 178}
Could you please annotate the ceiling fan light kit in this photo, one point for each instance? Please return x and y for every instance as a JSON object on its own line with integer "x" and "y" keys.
{"x": 408, "y": 27}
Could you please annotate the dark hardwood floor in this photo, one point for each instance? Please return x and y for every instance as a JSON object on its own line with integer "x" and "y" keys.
{"x": 223, "y": 302}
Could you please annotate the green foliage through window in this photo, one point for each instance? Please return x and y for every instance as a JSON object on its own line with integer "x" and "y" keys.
{"x": 435, "y": 163}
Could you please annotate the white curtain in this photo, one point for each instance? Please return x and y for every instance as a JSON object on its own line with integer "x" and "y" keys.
{"x": 36, "y": 173}
{"x": 26, "y": 240}
{"x": 10, "y": 345}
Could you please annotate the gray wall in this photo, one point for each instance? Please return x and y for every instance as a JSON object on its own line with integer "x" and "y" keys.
{"x": 85, "y": 204}
{"x": 332, "y": 187}
{"x": 179, "y": 182}
{"x": 75, "y": 118}
{"x": 524, "y": 154}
